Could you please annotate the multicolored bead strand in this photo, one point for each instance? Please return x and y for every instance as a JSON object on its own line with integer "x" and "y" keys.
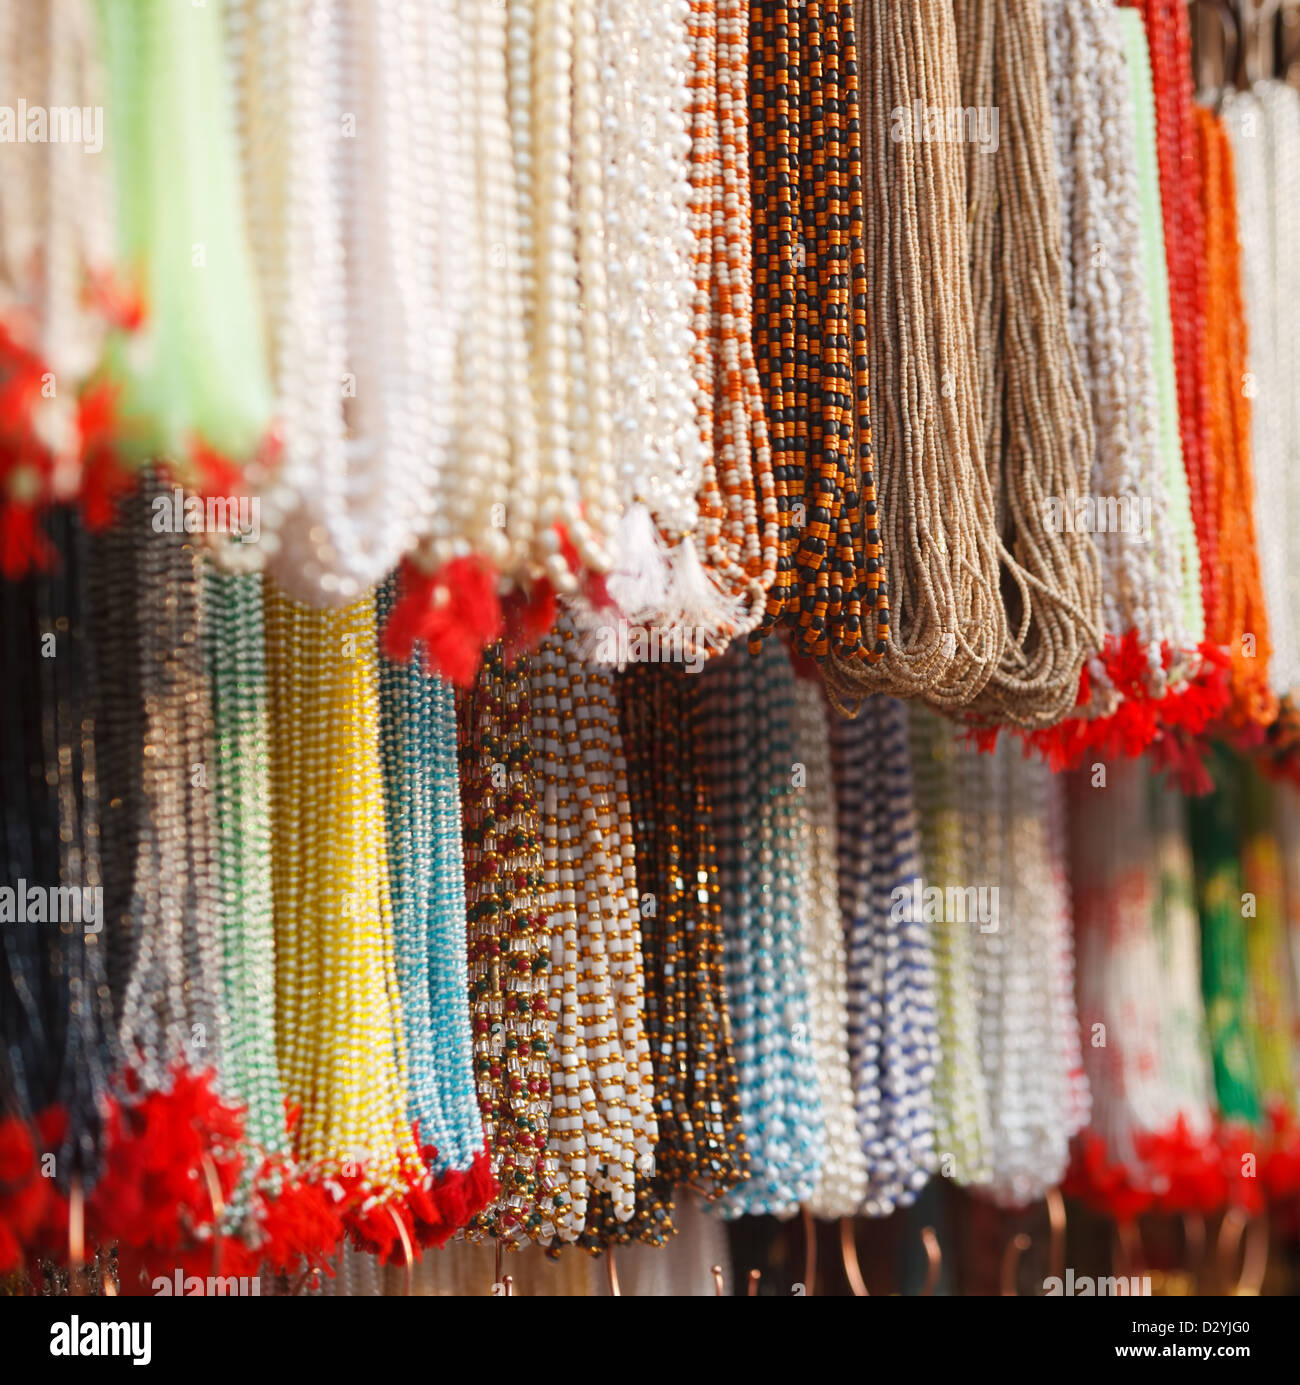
{"x": 509, "y": 943}
{"x": 603, "y": 1125}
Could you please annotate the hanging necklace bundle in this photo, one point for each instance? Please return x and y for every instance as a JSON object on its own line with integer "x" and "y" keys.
{"x": 1153, "y": 679}
{"x": 842, "y": 1183}
{"x": 1238, "y": 619}
{"x": 56, "y": 1025}
{"x": 1168, "y": 35}
{"x": 736, "y": 540}
{"x": 427, "y": 883}
{"x": 893, "y": 1039}
{"x": 940, "y": 546}
{"x": 603, "y": 1125}
{"x": 687, "y": 1021}
{"x": 279, "y": 1217}
{"x": 810, "y": 293}
{"x": 1263, "y": 126}
{"x": 56, "y": 298}
{"x": 1037, "y": 426}
{"x": 193, "y": 382}
{"x": 1149, "y": 1139}
{"x": 762, "y": 841}
{"x": 648, "y": 244}
{"x": 338, "y": 1007}
{"x": 1024, "y": 969}
{"x": 961, "y": 1098}
{"x": 1215, "y": 824}
{"x": 340, "y": 120}
{"x": 509, "y": 940}
{"x": 1111, "y": 327}
{"x": 162, "y": 902}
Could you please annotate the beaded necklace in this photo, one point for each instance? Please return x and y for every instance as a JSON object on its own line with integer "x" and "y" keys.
{"x": 1263, "y": 126}
{"x": 893, "y": 1040}
{"x": 56, "y": 299}
{"x": 208, "y": 411}
{"x": 687, "y": 1020}
{"x": 509, "y": 940}
{"x": 810, "y": 293}
{"x": 1140, "y": 1008}
{"x": 1024, "y": 966}
{"x": 1155, "y": 261}
{"x": 1168, "y": 34}
{"x": 1037, "y": 426}
{"x": 961, "y": 1097}
{"x": 648, "y": 244}
{"x": 175, "y": 1142}
{"x": 55, "y": 1017}
{"x": 762, "y": 842}
{"x": 427, "y": 882}
{"x": 1239, "y": 610}
{"x": 603, "y": 1125}
{"x": 949, "y": 626}
{"x": 280, "y": 1219}
{"x": 339, "y": 1028}
{"x": 736, "y": 541}
{"x": 842, "y": 1182}
{"x": 1110, "y": 321}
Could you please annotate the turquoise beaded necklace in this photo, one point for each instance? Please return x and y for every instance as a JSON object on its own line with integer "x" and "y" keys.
{"x": 763, "y": 849}
{"x": 427, "y": 879}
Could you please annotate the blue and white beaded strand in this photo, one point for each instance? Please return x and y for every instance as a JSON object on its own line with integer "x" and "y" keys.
{"x": 762, "y": 851}
{"x": 426, "y": 876}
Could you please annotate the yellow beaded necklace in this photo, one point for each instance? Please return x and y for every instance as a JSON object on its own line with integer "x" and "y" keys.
{"x": 338, "y": 1013}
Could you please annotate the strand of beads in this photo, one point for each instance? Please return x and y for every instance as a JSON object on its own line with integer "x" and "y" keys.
{"x": 648, "y": 245}
{"x": 936, "y": 515}
{"x": 280, "y": 1219}
{"x": 1239, "y": 620}
{"x": 509, "y": 941}
{"x": 962, "y": 1131}
{"x": 1110, "y": 322}
{"x": 1028, "y": 1035}
{"x": 1156, "y": 272}
{"x": 603, "y": 1124}
{"x": 338, "y": 1008}
{"x": 736, "y": 541}
{"x": 1168, "y": 59}
{"x": 162, "y": 923}
{"x": 810, "y": 289}
{"x": 762, "y": 843}
{"x": 56, "y": 297}
{"x": 1037, "y": 426}
{"x": 842, "y": 1182}
{"x": 426, "y": 878}
{"x": 56, "y": 1023}
{"x": 207, "y": 411}
{"x": 893, "y": 1027}
{"x": 687, "y": 1022}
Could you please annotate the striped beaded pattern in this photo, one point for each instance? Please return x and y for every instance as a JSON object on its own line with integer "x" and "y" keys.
{"x": 427, "y": 880}
{"x": 762, "y": 835}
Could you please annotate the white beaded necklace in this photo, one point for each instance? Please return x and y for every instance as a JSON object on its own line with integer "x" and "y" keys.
{"x": 648, "y": 248}
{"x": 842, "y": 1181}
{"x": 1110, "y": 321}
{"x": 1264, "y": 127}
{"x": 346, "y": 114}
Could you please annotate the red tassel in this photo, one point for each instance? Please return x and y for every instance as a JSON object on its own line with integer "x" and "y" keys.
{"x": 456, "y": 613}
{"x": 528, "y": 618}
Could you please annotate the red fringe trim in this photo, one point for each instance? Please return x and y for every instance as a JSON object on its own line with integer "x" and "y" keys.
{"x": 1168, "y": 726}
